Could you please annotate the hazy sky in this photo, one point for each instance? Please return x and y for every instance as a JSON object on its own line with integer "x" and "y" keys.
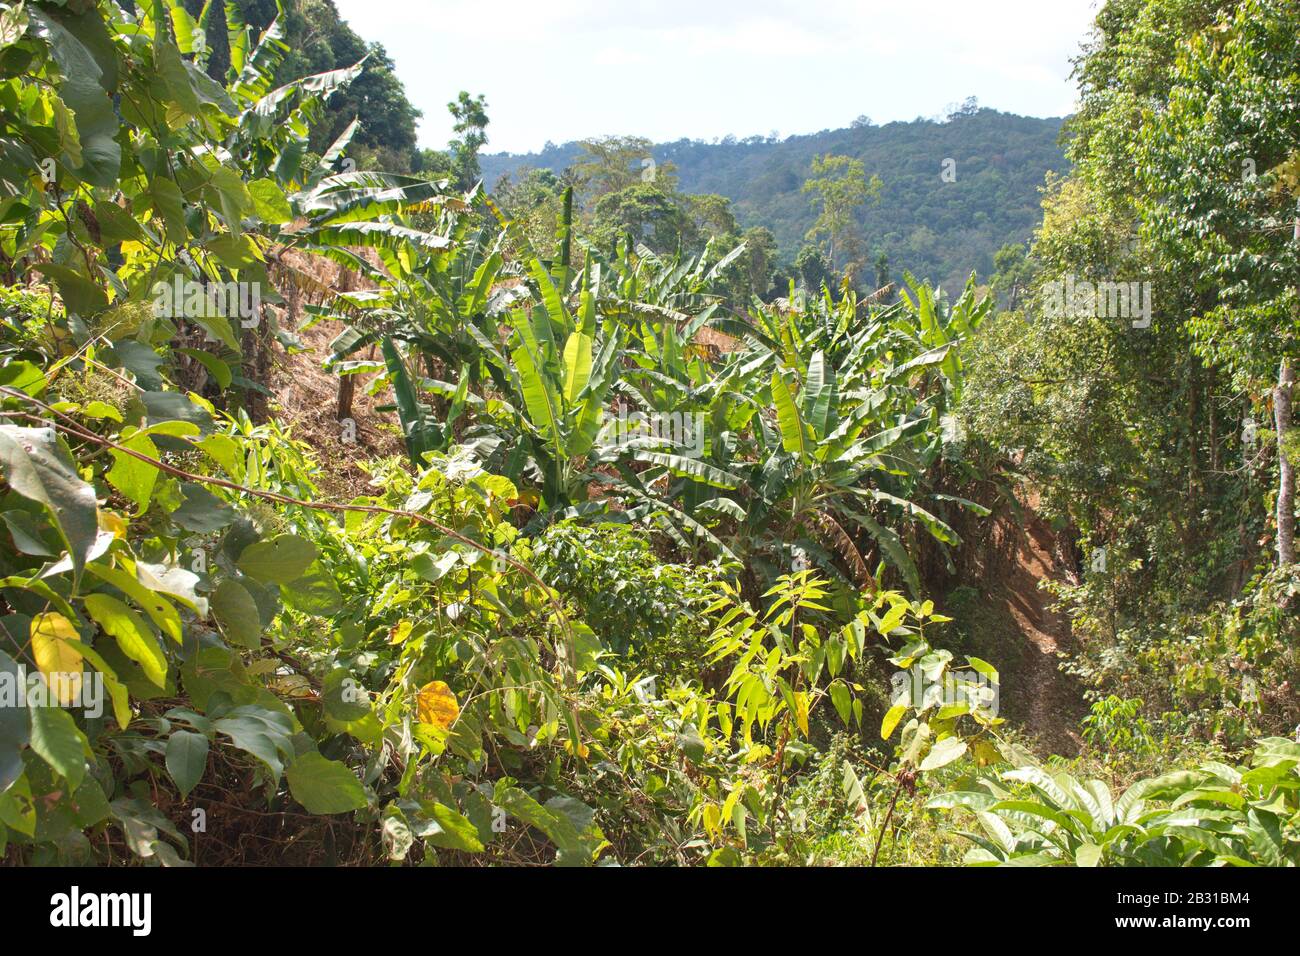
{"x": 569, "y": 69}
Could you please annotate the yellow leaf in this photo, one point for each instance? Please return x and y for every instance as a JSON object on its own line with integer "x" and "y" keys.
{"x": 892, "y": 717}
{"x": 712, "y": 820}
{"x": 436, "y": 705}
{"x": 729, "y": 804}
{"x": 399, "y": 633}
{"x": 108, "y": 521}
{"x": 59, "y": 661}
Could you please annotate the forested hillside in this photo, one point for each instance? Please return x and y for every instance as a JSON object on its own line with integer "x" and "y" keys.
{"x": 940, "y": 228}
{"x": 954, "y": 189}
{"x": 353, "y": 512}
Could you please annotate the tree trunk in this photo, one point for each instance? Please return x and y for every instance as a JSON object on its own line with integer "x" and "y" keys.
{"x": 1286, "y": 471}
{"x": 1193, "y": 414}
{"x": 257, "y": 367}
{"x": 347, "y": 389}
{"x": 1211, "y": 398}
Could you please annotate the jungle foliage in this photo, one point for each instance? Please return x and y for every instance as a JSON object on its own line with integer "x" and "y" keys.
{"x": 634, "y": 590}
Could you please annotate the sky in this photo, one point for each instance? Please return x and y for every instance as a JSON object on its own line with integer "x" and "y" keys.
{"x": 562, "y": 70}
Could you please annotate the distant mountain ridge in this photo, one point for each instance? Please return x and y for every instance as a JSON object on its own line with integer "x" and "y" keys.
{"x": 937, "y": 229}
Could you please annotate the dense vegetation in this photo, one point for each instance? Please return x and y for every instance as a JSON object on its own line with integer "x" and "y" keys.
{"x": 670, "y": 566}
{"x": 1165, "y": 449}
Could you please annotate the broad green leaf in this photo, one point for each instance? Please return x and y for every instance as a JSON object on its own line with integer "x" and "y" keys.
{"x": 142, "y": 826}
{"x": 794, "y": 433}
{"x": 541, "y": 398}
{"x": 24, "y": 376}
{"x": 236, "y": 612}
{"x": 233, "y": 198}
{"x": 264, "y": 733}
{"x": 575, "y": 845}
{"x": 843, "y": 700}
{"x": 314, "y": 593}
{"x": 577, "y": 365}
{"x": 168, "y": 204}
{"x": 79, "y": 294}
{"x": 141, "y": 361}
{"x": 168, "y": 407}
{"x": 892, "y": 545}
{"x": 279, "y": 560}
{"x": 27, "y": 535}
{"x": 344, "y": 697}
{"x": 692, "y": 468}
{"x": 57, "y": 740}
{"x": 17, "y": 808}
{"x": 132, "y": 634}
{"x": 176, "y": 79}
{"x": 237, "y": 36}
{"x": 421, "y": 435}
{"x": 451, "y": 829}
{"x": 821, "y": 395}
{"x": 186, "y": 759}
{"x": 159, "y": 609}
{"x": 202, "y": 512}
{"x": 269, "y": 201}
{"x": 86, "y": 87}
{"x": 324, "y": 786}
{"x": 39, "y": 467}
{"x": 134, "y": 478}
{"x": 214, "y": 366}
{"x": 983, "y": 667}
{"x": 434, "y": 569}
{"x": 117, "y": 691}
{"x": 225, "y": 451}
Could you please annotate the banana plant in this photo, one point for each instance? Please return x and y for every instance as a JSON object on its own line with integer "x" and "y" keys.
{"x": 1216, "y": 814}
{"x": 560, "y": 366}
{"x": 439, "y": 323}
{"x": 816, "y": 439}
